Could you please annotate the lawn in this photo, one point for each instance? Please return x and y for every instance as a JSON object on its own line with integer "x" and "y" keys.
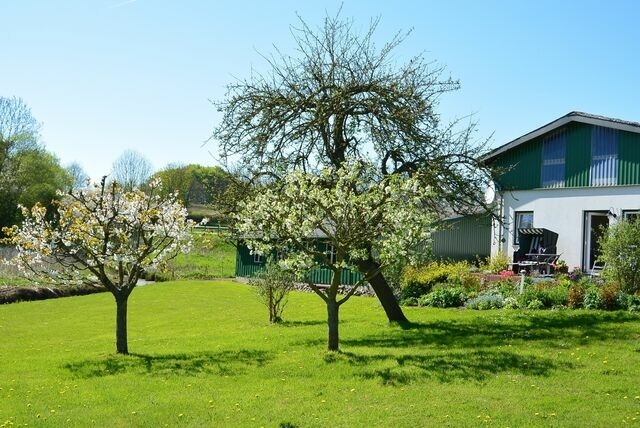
{"x": 212, "y": 256}
{"x": 204, "y": 354}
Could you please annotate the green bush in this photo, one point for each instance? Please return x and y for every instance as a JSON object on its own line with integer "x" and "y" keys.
{"x": 576, "y": 295}
{"x": 497, "y": 263}
{"x": 592, "y": 298}
{"x": 486, "y": 301}
{"x": 545, "y": 295}
{"x": 444, "y": 297}
{"x": 632, "y": 303}
{"x": 420, "y": 280}
{"x": 535, "y": 304}
{"x": 507, "y": 288}
{"x": 609, "y": 296}
{"x": 620, "y": 248}
{"x": 409, "y": 301}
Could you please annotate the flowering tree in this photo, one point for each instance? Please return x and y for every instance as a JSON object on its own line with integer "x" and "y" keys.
{"x": 102, "y": 235}
{"x": 359, "y": 217}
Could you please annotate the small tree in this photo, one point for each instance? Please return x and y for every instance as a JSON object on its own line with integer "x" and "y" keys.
{"x": 102, "y": 235}
{"x": 273, "y": 286}
{"x": 358, "y": 217}
{"x": 620, "y": 249}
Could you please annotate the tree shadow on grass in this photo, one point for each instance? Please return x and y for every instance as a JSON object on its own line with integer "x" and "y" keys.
{"x": 499, "y": 330}
{"x": 451, "y": 366}
{"x": 301, "y": 323}
{"x": 225, "y": 363}
{"x": 478, "y": 348}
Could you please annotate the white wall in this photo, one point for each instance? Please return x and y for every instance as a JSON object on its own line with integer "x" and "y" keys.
{"x": 562, "y": 211}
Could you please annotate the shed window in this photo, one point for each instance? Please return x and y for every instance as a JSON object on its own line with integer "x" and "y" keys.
{"x": 524, "y": 219}
{"x": 604, "y": 156}
{"x": 330, "y": 251}
{"x": 258, "y": 258}
{"x": 631, "y": 215}
{"x": 553, "y": 160}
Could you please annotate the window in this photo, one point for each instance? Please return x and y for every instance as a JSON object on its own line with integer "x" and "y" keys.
{"x": 524, "y": 219}
{"x": 630, "y": 215}
{"x": 553, "y": 154}
{"x": 330, "y": 251}
{"x": 604, "y": 156}
{"x": 257, "y": 258}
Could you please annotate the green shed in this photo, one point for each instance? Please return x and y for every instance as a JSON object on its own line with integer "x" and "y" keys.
{"x": 464, "y": 238}
{"x": 247, "y": 265}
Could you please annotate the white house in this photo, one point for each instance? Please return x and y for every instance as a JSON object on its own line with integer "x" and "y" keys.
{"x": 574, "y": 176}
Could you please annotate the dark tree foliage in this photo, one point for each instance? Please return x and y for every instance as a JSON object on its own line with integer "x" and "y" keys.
{"x": 341, "y": 97}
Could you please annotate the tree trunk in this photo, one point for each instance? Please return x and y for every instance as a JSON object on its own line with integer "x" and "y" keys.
{"x": 332, "y": 321}
{"x": 121, "y": 324}
{"x": 383, "y": 291}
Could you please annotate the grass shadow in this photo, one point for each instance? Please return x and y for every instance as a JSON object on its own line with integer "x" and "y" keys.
{"x": 451, "y": 366}
{"x": 225, "y": 363}
{"x": 475, "y": 349}
{"x": 286, "y": 323}
{"x": 498, "y": 330}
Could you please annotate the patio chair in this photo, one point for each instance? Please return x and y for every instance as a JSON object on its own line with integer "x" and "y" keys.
{"x": 597, "y": 268}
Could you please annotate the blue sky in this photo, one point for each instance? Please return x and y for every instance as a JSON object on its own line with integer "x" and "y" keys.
{"x": 105, "y": 76}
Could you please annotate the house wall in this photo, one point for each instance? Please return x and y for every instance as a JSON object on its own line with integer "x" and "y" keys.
{"x": 562, "y": 210}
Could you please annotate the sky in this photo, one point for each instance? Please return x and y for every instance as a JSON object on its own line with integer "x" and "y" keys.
{"x": 106, "y": 76}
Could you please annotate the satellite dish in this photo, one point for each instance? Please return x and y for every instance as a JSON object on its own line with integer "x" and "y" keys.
{"x": 490, "y": 193}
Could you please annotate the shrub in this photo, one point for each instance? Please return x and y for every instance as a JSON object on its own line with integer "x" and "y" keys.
{"x": 272, "y": 287}
{"x": 486, "y": 301}
{"x": 444, "y": 297}
{"x": 506, "y": 288}
{"x": 592, "y": 298}
{"x": 633, "y": 303}
{"x": 510, "y": 303}
{"x": 409, "y": 301}
{"x": 576, "y": 296}
{"x": 609, "y": 296}
{"x": 497, "y": 263}
{"x": 535, "y": 304}
{"x": 545, "y": 295}
{"x": 620, "y": 248}
{"x": 418, "y": 281}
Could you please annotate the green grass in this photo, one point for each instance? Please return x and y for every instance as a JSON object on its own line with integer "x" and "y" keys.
{"x": 204, "y": 354}
{"x": 212, "y": 256}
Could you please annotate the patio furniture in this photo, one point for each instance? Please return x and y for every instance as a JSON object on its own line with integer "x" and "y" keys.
{"x": 597, "y": 268}
{"x": 537, "y": 250}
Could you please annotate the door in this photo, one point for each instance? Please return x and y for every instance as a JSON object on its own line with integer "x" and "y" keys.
{"x": 595, "y": 224}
